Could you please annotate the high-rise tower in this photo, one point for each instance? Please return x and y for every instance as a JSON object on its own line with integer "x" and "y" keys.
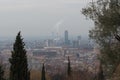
{"x": 66, "y": 38}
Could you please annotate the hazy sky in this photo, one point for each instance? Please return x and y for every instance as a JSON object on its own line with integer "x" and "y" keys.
{"x": 43, "y": 17}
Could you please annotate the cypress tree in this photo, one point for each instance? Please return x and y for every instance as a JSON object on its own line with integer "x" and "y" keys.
{"x": 69, "y": 67}
{"x": 1, "y": 73}
{"x": 18, "y": 60}
{"x": 43, "y": 73}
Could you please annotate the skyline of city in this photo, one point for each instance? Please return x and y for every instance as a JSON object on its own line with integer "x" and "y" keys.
{"x": 51, "y": 37}
{"x": 59, "y": 39}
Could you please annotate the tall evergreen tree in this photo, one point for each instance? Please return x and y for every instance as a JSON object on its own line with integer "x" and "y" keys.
{"x": 1, "y": 73}
{"x": 43, "y": 73}
{"x": 69, "y": 67}
{"x": 18, "y": 60}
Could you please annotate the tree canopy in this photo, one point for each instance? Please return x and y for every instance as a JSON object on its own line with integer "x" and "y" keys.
{"x": 106, "y": 17}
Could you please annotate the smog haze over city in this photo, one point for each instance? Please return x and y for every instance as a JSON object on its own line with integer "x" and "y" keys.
{"x": 58, "y": 39}
{"x": 42, "y": 18}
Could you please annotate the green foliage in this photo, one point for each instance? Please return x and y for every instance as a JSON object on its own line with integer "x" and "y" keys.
{"x": 18, "y": 61}
{"x": 43, "y": 73}
{"x": 1, "y": 73}
{"x": 106, "y": 17}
